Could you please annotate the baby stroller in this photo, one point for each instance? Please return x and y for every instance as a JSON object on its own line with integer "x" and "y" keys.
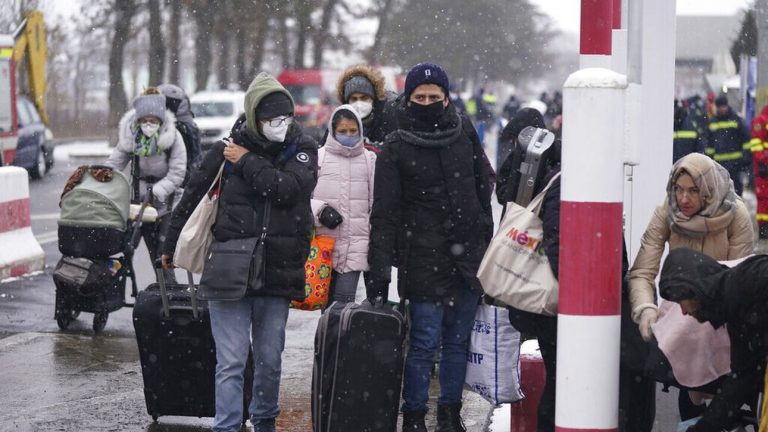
{"x": 97, "y": 238}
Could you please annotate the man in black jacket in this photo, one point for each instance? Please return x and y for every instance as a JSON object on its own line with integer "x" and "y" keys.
{"x": 432, "y": 204}
{"x": 720, "y": 295}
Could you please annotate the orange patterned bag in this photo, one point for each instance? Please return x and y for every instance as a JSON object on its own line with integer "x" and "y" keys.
{"x": 318, "y": 270}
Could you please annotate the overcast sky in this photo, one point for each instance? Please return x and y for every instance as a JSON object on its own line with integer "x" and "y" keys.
{"x": 565, "y": 13}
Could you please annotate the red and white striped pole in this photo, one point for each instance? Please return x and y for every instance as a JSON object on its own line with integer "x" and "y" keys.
{"x": 589, "y": 314}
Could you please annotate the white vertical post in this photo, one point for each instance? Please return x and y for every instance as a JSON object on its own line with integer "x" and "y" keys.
{"x": 589, "y": 310}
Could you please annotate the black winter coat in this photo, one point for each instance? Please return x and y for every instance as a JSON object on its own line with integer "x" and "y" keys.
{"x": 432, "y": 194}
{"x": 686, "y": 139}
{"x": 256, "y": 177}
{"x": 734, "y": 296}
{"x": 383, "y": 120}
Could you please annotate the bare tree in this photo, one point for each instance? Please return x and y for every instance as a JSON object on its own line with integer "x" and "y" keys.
{"x": 323, "y": 30}
{"x": 203, "y": 13}
{"x": 123, "y": 15}
{"x": 156, "y": 44}
{"x": 13, "y": 12}
{"x": 251, "y": 26}
{"x": 383, "y": 14}
{"x": 285, "y": 42}
{"x": 222, "y": 28}
{"x": 173, "y": 41}
{"x": 302, "y": 12}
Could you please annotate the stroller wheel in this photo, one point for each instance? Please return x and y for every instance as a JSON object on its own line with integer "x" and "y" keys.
{"x": 100, "y": 321}
{"x": 66, "y": 317}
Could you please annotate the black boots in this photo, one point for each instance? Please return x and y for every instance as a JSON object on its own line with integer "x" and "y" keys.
{"x": 449, "y": 418}
{"x": 413, "y": 421}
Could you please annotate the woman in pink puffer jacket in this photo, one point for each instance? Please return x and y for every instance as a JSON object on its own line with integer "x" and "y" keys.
{"x": 343, "y": 198}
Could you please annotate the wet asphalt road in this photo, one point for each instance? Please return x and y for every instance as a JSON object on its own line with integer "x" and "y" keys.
{"x": 74, "y": 380}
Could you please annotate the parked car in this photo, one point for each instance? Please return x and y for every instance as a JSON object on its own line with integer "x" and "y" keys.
{"x": 215, "y": 114}
{"x": 34, "y": 149}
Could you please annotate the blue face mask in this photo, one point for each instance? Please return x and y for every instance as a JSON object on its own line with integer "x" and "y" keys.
{"x": 347, "y": 140}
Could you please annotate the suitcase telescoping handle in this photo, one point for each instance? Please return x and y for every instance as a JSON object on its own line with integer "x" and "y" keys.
{"x": 136, "y": 234}
{"x": 164, "y": 292}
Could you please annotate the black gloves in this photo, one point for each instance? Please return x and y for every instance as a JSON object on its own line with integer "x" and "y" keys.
{"x": 375, "y": 288}
{"x": 330, "y": 218}
{"x": 762, "y": 170}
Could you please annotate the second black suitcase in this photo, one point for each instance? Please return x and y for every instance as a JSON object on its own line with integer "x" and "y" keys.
{"x": 358, "y": 368}
{"x": 177, "y": 352}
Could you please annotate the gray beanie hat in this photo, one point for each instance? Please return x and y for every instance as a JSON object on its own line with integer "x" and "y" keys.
{"x": 150, "y": 105}
{"x": 358, "y": 84}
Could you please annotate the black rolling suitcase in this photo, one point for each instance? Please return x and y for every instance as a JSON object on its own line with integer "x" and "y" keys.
{"x": 177, "y": 351}
{"x": 358, "y": 368}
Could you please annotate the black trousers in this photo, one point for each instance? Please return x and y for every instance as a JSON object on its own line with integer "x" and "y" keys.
{"x": 637, "y": 394}
{"x": 543, "y": 328}
{"x": 154, "y": 235}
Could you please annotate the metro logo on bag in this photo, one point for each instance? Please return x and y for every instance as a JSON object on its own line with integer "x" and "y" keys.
{"x": 515, "y": 270}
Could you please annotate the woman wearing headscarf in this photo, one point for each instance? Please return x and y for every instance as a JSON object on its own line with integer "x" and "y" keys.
{"x": 701, "y": 212}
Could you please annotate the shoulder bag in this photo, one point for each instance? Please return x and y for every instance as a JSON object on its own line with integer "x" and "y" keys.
{"x": 196, "y": 236}
{"x": 515, "y": 269}
{"x": 235, "y": 266}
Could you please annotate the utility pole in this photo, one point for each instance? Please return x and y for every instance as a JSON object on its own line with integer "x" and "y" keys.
{"x": 761, "y": 18}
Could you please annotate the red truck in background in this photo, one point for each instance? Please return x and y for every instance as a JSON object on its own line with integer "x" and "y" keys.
{"x": 314, "y": 92}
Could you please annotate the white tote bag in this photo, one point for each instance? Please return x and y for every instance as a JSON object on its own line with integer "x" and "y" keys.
{"x": 196, "y": 236}
{"x": 493, "y": 359}
{"x": 514, "y": 269}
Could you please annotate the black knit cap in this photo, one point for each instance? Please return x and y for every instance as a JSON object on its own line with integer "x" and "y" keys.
{"x": 425, "y": 73}
{"x": 273, "y": 105}
{"x": 522, "y": 119}
{"x": 721, "y": 100}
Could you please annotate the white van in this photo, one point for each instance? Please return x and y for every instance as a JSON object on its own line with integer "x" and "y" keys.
{"x": 216, "y": 113}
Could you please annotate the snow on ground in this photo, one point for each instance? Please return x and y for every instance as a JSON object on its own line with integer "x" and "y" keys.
{"x": 82, "y": 149}
{"x": 500, "y": 419}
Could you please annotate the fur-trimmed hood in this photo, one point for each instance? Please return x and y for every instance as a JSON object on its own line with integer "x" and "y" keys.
{"x": 165, "y": 139}
{"x": 370, "y": 73}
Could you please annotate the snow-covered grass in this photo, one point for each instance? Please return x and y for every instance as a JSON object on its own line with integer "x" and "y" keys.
{"x": 82, "y": 149}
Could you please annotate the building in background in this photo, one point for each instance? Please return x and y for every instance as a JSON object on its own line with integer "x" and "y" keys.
{"x": 703, "y": 60}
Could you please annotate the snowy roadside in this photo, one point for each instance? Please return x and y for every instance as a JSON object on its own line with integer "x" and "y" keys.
{"x": 82, "y": 149}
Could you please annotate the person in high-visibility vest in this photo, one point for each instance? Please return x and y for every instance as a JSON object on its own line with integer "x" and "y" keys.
{"x": 759, "y": 147}
{"x": 728, "y": 143}
{"x": 685, "y": 137}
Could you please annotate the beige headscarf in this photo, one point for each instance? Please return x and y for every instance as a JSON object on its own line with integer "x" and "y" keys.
{"x": 715, "y": 190}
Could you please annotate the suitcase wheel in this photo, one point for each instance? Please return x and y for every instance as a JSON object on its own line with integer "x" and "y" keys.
{"x": 100, "y": 321}
{"x": 65, "y": 318}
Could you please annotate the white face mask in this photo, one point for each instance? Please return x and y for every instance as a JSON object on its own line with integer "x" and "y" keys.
{"x": 363, "y": 108}
{"x": 149, "y": 129}
{"x": 275, "y": 133}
